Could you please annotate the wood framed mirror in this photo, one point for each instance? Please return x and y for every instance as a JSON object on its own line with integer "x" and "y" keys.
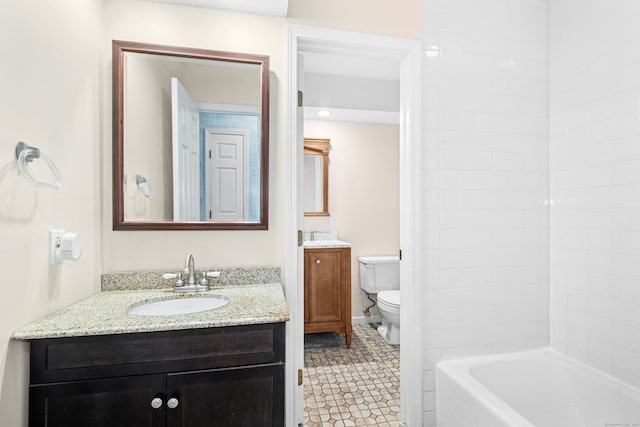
{"x": 316, "y": 177}
{"x": 190, "y": 138}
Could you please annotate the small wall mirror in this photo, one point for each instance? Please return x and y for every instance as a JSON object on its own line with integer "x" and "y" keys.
{"x": 190, "y": 138}
{"x": 316, "y": 177}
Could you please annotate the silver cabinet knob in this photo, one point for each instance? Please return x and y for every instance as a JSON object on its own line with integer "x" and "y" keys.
{"x": 317, "y": 261}
{"x": 156, "y": 403}
{"x": 173, "y": 403}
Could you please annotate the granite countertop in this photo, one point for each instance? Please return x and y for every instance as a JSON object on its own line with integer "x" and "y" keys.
{"x": 322, "y": 244}
{"x": 105, "y": 313}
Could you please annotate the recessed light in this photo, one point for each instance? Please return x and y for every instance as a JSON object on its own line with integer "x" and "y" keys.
{"x": 432, "y": 52}
{"x": 324, "y": 113}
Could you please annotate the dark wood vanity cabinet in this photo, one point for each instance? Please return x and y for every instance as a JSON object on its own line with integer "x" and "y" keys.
{"x": 327, "y": 291}
{"x": 121, "y": 402}
{"x": 230, "y": 376}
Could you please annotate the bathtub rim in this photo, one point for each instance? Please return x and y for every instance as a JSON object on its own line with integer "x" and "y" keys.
{"x": 459, "y": 370}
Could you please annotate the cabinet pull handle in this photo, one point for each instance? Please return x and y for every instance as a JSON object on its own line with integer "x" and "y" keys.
{"x": 317, "y": 261}
{"x": 156, "y": 403}
{"x": 172, "y": 403}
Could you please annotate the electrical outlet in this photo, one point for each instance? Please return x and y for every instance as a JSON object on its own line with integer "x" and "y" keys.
{"x": 55, "y": 236}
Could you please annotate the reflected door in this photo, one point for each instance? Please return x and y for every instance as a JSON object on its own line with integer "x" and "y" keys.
{"x": 186, "y": 154}
{"x": 226, "y": 174}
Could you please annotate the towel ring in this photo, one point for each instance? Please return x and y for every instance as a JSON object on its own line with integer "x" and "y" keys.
{"x": 26, "y": 154}
{"x": 145, "y": 186}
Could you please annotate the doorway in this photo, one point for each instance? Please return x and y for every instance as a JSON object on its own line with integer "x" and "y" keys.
{"x": 407, "y": 54}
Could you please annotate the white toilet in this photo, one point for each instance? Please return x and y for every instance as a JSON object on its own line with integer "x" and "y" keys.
{"x": 381, "y": 275}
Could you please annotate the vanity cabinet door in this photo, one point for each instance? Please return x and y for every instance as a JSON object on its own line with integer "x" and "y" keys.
{"x": 110, "y": 402}
{"x": 234, "y": 397}
{"x": 325, "y": 286}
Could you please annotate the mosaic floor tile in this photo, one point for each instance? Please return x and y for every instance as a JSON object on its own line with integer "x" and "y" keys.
{"x": 357, "y": 386}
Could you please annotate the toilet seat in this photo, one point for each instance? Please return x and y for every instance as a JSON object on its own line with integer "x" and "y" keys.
{"x": 390, "y": 299}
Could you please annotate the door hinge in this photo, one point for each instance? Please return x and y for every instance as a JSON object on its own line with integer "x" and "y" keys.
{"x": 300, "y": 96}
{"x": 209, "y": 153}
{"x": 299, "y": 376}
{"x": 400, "y": 254}
{"x": 300, "y": 238}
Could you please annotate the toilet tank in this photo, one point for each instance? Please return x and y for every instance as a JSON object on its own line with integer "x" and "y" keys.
{"x": 379, "y": 273}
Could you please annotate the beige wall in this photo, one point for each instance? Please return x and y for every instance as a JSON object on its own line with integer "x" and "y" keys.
{"x": 399, "y": 18}
{"x": 363, "y": 192}
{"x": 148, "y": 151}
{"x": 50, "y": 99}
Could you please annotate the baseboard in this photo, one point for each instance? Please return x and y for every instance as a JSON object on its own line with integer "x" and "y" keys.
{"x": 366, "y": 319}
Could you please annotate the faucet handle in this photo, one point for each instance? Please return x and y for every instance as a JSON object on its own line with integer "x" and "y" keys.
{"x": 177, "y": 276}
{"x": 205, "y": 274}
{"x": 203, "y": 279}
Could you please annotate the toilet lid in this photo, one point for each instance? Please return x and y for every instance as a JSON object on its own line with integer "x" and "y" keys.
{"x": 390, "y": 297}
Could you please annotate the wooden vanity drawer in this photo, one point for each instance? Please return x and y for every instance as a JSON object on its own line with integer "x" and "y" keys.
{"x": 78, "y": 358}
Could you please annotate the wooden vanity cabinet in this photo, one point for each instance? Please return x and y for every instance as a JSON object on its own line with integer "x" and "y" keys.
{"x": 230, "y": 376}
{"x": 327, "y": 291}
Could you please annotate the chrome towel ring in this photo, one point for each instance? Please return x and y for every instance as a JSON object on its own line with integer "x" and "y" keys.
{"x": 26, "y": 154}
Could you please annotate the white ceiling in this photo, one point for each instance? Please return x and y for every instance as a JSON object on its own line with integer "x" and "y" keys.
{"x": 346, "y": 99}
{"x": 259, "y": 7}
{"x": 351, "y": 66}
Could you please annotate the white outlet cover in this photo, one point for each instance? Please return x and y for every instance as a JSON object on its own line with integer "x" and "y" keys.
{"x": 55, "y": 236}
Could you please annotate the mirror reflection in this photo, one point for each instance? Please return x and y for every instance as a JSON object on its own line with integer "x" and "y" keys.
{"x": 193, "y": 138}
{"x": 316, "y": 177}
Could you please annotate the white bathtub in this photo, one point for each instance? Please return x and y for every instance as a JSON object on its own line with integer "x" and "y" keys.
{"x": 537, "y": 388}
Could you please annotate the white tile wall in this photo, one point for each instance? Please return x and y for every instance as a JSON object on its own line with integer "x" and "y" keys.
{"x": 485, "y": 180}
{"x": 489, "y": 104}
{"x": 595, "y": 183}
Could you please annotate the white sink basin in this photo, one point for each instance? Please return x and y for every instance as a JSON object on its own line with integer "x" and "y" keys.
{"x": 173, "y": 306}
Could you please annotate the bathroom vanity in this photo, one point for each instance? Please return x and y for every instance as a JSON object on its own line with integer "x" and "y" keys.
{"x": 327, "y": 288}
{"x": 230, "y": 376}
{"x": 95, "y": 364}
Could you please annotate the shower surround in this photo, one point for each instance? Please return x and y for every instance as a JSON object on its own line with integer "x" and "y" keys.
{"x": 531, "y": 189}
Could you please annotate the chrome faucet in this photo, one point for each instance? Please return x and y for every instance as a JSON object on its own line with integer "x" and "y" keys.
{"x": 189, "y": 269}
{"x": 191, "y": 284}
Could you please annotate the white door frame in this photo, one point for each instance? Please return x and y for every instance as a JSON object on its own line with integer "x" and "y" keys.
{"x": 408, "y": 54}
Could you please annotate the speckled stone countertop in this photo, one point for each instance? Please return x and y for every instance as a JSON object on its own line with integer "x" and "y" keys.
{"x": 322, "y": 244}
{"x": 255, "y": 296}
{"x": 105, "y": 313}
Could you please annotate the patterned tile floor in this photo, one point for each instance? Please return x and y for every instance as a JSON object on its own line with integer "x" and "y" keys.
{"x": 357, "y": 386}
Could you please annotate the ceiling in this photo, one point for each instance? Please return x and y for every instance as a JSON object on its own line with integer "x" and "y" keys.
{"x": 370, "y": 99}
{"x": 351, "y": 66}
